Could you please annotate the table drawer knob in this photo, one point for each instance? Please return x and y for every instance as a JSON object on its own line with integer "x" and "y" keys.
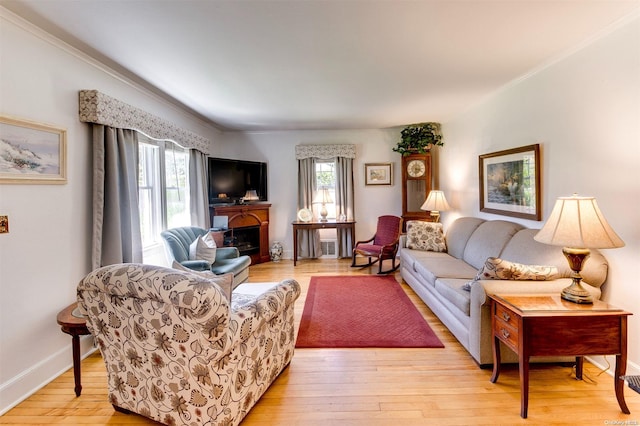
{"x": 506, "y": 316}
{"x": 505, "y": 333}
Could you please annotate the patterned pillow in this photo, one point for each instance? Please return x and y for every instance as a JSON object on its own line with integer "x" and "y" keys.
{"x": 203, "y": 248}
{"x": 426, "y": 236}
{"x": 224, "y": 281}
{"x": 498, "y": 269}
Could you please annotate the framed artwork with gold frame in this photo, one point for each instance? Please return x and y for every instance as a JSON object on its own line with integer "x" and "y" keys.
{"x": 510, "y": 182}
{"x": 378, "y": 174}
{"x": 31, "y": 152}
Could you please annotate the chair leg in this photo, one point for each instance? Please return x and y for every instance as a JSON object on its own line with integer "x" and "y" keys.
{"x": 394, "y": 266}
{"x": 353, "y": 262}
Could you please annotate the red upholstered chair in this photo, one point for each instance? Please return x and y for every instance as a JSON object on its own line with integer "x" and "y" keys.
{"x": 383, "y": 245}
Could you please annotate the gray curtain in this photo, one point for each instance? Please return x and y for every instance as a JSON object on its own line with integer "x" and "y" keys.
{"x": 116, "y": 218}
{"x": 344, "y": 202}
{"x": 308, "y": 240}
{"x": 199, "y": 204}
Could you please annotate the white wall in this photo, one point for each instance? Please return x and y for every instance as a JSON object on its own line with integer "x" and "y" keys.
{"x": 47, "y": 250}
{"x": 278, "y": 150}
{"x": 584, "y": 111}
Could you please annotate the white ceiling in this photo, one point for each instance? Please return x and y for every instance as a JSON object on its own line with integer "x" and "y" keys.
{"x": 314, "y": 64}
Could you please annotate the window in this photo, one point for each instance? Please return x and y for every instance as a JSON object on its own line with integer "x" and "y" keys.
{"x": 326, "y": 179}
{"x": 149, "y": 193}
{"x": 163, "y": 188}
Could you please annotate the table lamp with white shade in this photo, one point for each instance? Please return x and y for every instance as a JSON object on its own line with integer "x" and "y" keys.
{"x": 577, "y": 224}
{"x": 251, "y": 195}
{"x": 323, "y": 197}
{"x": 435, "y": 203}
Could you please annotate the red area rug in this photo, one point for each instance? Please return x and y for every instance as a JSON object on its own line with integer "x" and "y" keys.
{"x": 362, "y": 312}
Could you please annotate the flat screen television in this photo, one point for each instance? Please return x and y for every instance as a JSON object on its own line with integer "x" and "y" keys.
{"x": 229, "y": 180}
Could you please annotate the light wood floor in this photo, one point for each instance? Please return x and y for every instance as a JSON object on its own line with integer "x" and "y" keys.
{"x": 368, "y": 386}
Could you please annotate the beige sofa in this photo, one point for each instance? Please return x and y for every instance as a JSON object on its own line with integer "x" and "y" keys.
{"x": 178, "y": 351}
{"x": 438, "y": 277}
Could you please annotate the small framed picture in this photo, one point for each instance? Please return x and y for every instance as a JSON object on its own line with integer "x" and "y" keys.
{"x": 32, "y": 152}
{"x": 510, "y": 182}
{"x": 378, "y": 173}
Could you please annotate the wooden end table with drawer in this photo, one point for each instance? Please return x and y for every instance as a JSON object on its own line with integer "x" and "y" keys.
{"x": 547, "y": 325}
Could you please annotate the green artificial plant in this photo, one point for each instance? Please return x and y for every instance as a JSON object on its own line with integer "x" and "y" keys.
{"x": 418, "y": 138}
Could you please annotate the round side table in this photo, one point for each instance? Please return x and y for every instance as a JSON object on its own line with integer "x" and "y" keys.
{"x": 73, "y": 322}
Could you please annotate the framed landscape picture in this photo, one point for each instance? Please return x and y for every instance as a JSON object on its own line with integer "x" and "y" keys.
{"x": 510, "y": 182}
{"x": 31, "y": 152}
{"x": 378, "y": 174}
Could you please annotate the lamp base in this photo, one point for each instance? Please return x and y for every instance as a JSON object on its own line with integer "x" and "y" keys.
{"x": 323, "y": 213}
{"x": 576, "y": 294}
{"x": 435, "y": 216}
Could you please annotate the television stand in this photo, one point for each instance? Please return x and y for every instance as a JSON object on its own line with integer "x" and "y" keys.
{"x": 250, "y": 226}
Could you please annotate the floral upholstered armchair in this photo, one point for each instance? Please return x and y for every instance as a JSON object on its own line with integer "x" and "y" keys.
{"x": 178, "y": 351}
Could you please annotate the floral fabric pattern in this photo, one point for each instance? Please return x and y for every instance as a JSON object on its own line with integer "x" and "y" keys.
{"x": 96, "y": 107}
{"x": 325, "y": 152}
{"x": 175, "y": 350}
{"x": 499, "y": 269}
{"x": 425, "y": 236}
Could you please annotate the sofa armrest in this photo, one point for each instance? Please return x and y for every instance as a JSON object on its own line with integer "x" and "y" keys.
{"x": 227, "y": 253}
{"x": 248, "y": 318}
{"x": 196, "y": 265}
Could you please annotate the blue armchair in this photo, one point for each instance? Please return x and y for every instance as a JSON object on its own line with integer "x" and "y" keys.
{"x": 228, "y": 259}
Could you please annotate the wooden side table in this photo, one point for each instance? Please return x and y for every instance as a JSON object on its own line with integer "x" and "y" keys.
{"x": 73, "y": 322}
{"x": 330, "y": 224}
{"x": 546, "y": 325}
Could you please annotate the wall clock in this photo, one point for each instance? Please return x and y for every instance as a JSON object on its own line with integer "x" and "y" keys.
{"x": 416, "y": 184}
{"x": 416, "y": 168}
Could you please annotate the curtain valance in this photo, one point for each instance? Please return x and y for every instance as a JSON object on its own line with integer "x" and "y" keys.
{"x": 325, "y": 152}
{"x": 96, "y": 107}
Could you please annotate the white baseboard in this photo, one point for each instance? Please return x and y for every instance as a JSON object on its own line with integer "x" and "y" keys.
{"x": 22, "y": 386}
{"x": 608, "y": 363}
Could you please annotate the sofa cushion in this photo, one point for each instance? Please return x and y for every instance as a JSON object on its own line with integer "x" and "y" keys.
{"x": 427, "y": 236}
{"x": 458, "y": 234}
{"x": 433, "y": 265}
{"x": 233, "y": 265}
{"x": 203, "y": 248}
{"x": 488, "y": 240}
{"x": 453, "y": 292}
{"x": 245, "y": 294}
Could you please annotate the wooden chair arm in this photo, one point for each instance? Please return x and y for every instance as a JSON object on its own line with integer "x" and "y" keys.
{"x": 365, "y": 241}
{"x": 392, "y": 245}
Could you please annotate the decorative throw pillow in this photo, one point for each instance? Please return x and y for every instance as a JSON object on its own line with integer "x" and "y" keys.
{"x": 224, "y": 281}
{"x": 426, "y": 236}
{"x": 499, "y": 269}
{"x": 203, "y": 248}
